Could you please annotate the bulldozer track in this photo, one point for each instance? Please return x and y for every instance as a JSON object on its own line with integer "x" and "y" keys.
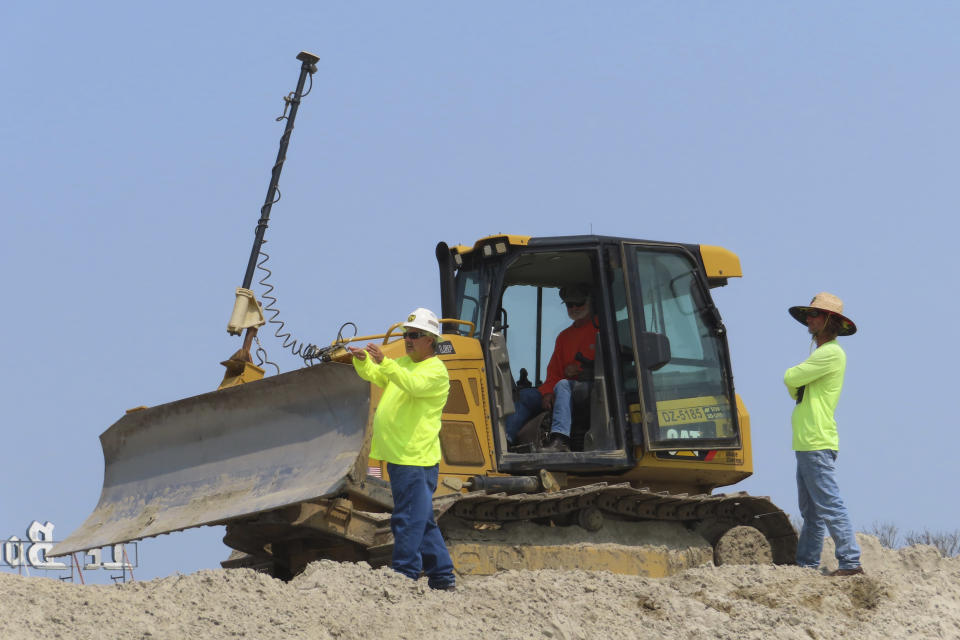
{"x": 710, "y": 515}
{"x": 337, "y": 529}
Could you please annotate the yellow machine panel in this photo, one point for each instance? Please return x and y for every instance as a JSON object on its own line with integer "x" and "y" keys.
{"x": 466, "y": 438}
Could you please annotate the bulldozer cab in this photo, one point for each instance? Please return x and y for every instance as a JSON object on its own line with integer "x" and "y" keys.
{"x": 660, "y": 380}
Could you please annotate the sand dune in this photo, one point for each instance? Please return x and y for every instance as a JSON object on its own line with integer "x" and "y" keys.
{"x": 908, "y": 593}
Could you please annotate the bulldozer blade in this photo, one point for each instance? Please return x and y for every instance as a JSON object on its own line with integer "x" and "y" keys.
{"x": 231, "y": 453}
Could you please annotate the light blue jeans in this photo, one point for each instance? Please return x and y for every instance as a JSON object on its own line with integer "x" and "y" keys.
{"x": 528, "y": 405}
{"x": 562, "y": 416}
{"x": 823, "y": 510}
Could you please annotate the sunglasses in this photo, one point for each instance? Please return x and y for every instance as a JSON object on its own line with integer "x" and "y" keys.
{"x": 570, "y": 305}
{"x": 813, "y": 313}
{"x": 413, "y": 335}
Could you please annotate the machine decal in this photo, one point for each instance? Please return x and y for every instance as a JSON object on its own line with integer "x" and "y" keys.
{"x": 691, "y": 456}
{"x": 445, "y": 349}
{"x": 703, "y": 417}
{"x": 684, "y": 415}
{"x": 721, "y": 457}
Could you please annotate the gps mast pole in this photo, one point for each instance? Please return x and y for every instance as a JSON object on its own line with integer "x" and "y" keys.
{"x": 293, "y": 101}
{"x": 247, "y": 313}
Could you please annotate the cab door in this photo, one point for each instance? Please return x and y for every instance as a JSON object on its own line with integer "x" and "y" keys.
{"x": 681, "y": 364}
{"x": 526, "y": 308}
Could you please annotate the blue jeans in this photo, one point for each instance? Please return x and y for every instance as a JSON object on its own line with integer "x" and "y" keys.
{"x": 417, "y": 542}
{"x": 529, "y": 403}
{"x": 823, "y": 510}
{"x": 526, "y": 406}
{"x": 562, "y": 407}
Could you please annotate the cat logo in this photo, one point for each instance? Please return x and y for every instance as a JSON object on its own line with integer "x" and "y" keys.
{"x": 411, "y": 317}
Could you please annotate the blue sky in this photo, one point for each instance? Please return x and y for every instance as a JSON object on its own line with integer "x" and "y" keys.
{"x": 816, "y": 140}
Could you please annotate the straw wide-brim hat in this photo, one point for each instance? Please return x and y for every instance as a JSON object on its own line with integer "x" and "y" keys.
{"x": 831, "y": 304}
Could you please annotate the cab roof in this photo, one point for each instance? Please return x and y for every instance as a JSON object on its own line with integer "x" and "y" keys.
{"x": 719, "y": 263}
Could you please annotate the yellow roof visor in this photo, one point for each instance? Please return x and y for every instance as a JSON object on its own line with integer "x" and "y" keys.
{"x": 720, "y": 264}
{"x": 503, "y": 240}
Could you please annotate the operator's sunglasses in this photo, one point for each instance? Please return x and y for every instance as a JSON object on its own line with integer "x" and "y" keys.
{"x": 413, "y": 335}
{"x": 570, "y": 304}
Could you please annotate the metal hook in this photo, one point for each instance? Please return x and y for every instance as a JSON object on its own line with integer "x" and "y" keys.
{"x": 287, "y": 101}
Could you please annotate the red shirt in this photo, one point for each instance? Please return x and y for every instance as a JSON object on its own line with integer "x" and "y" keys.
{"x": 570, "y": 341}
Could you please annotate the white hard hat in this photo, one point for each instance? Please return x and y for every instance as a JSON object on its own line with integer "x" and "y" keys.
{"x": 423, "y": 319}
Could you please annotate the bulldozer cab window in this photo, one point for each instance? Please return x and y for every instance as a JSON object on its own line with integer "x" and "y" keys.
{"x": 520, "y": 305}
{"x": 470, "y": 297}
{"x": 532, "y": 310}
{"x": 675, "y": 320}
{"x": 515, "y": 300}
{"x": 532, "y": 315}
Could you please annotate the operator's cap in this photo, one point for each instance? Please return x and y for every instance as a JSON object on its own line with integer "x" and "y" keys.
{"x": 576, "y": 293}
{"x": 830, "y": 303}
{"x": 423, "y": 319}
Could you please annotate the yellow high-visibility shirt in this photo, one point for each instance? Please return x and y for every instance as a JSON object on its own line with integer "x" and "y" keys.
{"x": 821, "y": 375}
{"x": 406, "y": 426}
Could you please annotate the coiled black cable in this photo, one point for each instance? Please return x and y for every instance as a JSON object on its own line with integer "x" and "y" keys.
{"x": 287, "y": 341}
{"x": 309, "y": 352}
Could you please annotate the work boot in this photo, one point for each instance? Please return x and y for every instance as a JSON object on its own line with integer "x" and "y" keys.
{"x": 558, "y": 443}
{"x": 846, "y": 572}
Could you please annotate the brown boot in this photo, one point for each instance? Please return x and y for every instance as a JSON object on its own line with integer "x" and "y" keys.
{"x": 558, "y": 443}
{"x": 846, "y": 572}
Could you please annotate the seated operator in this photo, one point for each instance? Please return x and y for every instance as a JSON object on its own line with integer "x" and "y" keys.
{"x": 574, "y": 345}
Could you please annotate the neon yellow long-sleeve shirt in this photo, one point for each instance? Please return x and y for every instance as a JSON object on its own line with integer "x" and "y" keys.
{"x": 406, "y": 426}
{"x": 821, "y": 375}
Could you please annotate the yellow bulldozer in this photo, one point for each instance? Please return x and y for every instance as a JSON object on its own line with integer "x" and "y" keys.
{"x": 282, "y": 461}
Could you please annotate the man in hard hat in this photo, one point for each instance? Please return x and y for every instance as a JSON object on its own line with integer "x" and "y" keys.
{"x": 573, "y": 354}
{"x": 406, "y": 430}
{"x": 815, "y": 385}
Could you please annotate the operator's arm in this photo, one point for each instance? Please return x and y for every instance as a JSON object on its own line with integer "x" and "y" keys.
{"x": 419, "y": 383}
{"x": 369, "y": 370}
{"x": 821, "y": 362}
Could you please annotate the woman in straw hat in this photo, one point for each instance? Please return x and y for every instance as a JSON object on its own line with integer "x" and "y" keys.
{"x": 815, "y": 384}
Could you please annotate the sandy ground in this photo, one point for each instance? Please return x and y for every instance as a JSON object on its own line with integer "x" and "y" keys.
{"x": 909, "y": 593}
